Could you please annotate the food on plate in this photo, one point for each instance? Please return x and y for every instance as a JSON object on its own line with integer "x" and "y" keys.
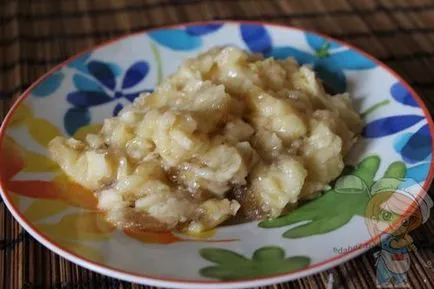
{"x": 228, "y": 134}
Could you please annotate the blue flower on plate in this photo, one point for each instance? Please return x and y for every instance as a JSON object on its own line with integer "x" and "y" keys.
{"x": 188, "y": 38}
{"x": 100, "y": 86}
{"x": 328, "y": 58}
{"x": 418, "y": 172}
{"x": 54, "y": 81}
{"x": 414, "y": 148}
{"x": 50, "y": 85}
{"x": 80, "y": 64}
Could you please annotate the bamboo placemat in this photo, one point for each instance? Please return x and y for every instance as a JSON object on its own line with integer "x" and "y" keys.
{"x": 37, "y": 34}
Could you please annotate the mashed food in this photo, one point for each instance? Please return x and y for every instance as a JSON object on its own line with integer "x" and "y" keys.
{"x": 229, "y": 134}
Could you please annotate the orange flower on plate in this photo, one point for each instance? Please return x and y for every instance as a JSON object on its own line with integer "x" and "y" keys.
{"x": 84, "y": 226}
{"x": 60, "y": 188}
{"x": 12, "y": 159}
{"x": 56, "y": 196}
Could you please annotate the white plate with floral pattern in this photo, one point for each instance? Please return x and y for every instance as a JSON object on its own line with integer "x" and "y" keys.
{"x": 75, "y": 96}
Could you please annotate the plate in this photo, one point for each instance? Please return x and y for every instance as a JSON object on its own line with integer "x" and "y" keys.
{"x": 394, "y": 154}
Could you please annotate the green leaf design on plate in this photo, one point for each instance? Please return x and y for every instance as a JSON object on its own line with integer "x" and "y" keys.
{"x": 265, "y": 261}
{"x": 348, "y": 197}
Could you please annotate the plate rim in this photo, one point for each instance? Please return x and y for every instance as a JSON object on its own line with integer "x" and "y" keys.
{"x": 178, "y": 283}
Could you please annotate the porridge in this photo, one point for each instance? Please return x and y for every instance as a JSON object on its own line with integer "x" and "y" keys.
{"x": 228, "y": 134}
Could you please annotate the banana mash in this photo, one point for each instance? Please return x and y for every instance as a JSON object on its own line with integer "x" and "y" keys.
{"x": 229, "y": 134}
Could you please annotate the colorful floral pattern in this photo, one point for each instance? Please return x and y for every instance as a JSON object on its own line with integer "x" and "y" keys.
{"x": 328, "y": 58}
{"x": 187, "y": 38}
{"x": 265, "y": 261}
{"x": 51, "y": 197}
{"x": 47, "y": 88}
{"x": 74, "y": 100}
{"x": 415, "y": 148}
{"x": 57, "y": 195}
{"x": 99, "y": 86}
{"x": 80, "y": 64}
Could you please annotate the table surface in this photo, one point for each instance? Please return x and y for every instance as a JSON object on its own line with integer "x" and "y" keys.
{"x": 37, "y": 34}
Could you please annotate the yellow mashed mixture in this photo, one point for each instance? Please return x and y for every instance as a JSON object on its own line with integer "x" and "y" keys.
{"x": 230, "y": 133}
